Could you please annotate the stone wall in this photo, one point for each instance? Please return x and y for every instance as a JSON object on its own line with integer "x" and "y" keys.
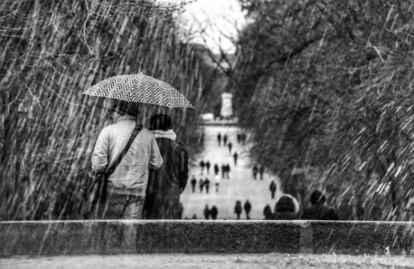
{"x": 120, "y": 237}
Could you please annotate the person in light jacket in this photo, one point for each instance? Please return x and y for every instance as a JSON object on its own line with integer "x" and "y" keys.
{"x": 127, "y": 184}
{"x": 167, "y": 183}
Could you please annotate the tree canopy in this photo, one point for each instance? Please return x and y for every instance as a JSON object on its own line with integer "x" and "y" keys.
{"x": 328, "y": 85}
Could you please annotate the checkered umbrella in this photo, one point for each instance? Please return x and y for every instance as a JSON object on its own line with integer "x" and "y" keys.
{"x": 141, "y": 89}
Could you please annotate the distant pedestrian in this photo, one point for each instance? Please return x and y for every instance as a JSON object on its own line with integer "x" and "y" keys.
{"x": 230, "y": 146}
{"x": 286, "y": 208}
{"x": 238, "y": 136}
{"x": 207, "y": 184}
{"x": 208, "y": 167}
{"x": 214, "y": 212}
{"x": 235, "y": 156}
{"x": 238, "y": 209}
{"x": 267, "y": 212}
{"x": 193, "y": 183}
{"x": 202, "y": 164}
{"x": 228, "y": 170}
{"x": 272, "y": 188}
{"x": 201, "y": 185}
{"x": 223, "y": 171}
{"x": 216, "y": 169}
{"x": 261, "y": 171}
{"x": 317, "y": 210}
{"x": 219, "y": 139}
{"x": 225, "y": 140}
{"x": 194, "y": 216}
{"x": 217, "y": 182}
{"x": 255, "y": 170}
{"x": 247, "y": 208}
{"x": 206, "y": 212}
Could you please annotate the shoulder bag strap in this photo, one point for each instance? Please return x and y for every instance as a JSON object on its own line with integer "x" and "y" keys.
{"x": 134, "y": 134}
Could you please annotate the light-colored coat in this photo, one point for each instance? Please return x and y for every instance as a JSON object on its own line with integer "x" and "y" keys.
{"x": 131, "y": 175}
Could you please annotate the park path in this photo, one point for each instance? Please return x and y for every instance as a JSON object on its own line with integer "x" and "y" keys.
{"x": 240, "y": 186}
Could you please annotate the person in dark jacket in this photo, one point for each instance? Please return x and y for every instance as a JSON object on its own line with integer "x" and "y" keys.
{"x": 255, "y": 170}
{"x": 201, "y": 184}
{"x": 227, "y": 171}
{"x": 225, "y": 140}
{"x": 219, "y": 139}
{"x": 202, "y": 165}
{"x": 214, "y": 212}
{"x": 208, "y": 167}
{"x": 223, "y": 171}
{"x": 238, "y": 209}
{"x": 235, "y": 157}
{"x": 207, "y": 184}
{"x": 267, "y": 212}
{"x": 206, "y": 212}
{"x": 230, "y": 146}
{"x": 216, "y": 169}
{"x": 247, "y": 208}
{"x": 272, "y": 188}
{"x": 317, "y": 210}
{"x": 286, "y": 208}
{"x": 167, "y": 183}
{"x": 193, "y": 183}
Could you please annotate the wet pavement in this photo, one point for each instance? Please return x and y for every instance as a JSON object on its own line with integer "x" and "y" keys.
{"x": 250, "y": 261}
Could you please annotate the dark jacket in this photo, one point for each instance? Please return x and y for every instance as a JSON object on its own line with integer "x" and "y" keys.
{"x": 167, "y": 183}
{"x": 320, "y": 212}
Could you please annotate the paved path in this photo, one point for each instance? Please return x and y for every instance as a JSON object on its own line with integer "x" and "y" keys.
{"x": 240, "y": 186}
{"x": 248, "y": 261}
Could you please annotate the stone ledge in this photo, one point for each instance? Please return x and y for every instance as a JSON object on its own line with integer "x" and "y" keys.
{"x": 128, "y": 236}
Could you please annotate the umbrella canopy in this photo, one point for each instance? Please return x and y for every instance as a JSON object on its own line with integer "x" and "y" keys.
{"x": 141, "y": 89}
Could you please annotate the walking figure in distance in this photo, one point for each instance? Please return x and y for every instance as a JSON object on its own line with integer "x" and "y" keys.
{"x": 219, "y": 139}
{"x": 247, "y": 208}
{"x": 206, "y": 212}
{"x": 207, "y": 184}
{"x": 223, "y": 170}
{"x": 230, "y": 146}
{"x": 238, "y": 209}
{"x": 193, "y": 183}
{"x": 201, "y": 185}
{"x": 208, "y": 167}
{"x": 216, "y": 169}
{"x": 228, "y": 171}
{"x": 225, "y": 140}
{"x": 202, "y": 164}
{"x": 214, "y": 212}
{"x": 235, "y": 156}
{"x": 255, "y": 170}
{"x": 272, "y": 188}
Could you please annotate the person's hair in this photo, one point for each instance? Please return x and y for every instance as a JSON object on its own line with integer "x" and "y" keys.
{"x": 160, "y": 122}
{"x": 125, "y": 108}
{"x": 285, "y": 204}
{"x": 317, "y": 198}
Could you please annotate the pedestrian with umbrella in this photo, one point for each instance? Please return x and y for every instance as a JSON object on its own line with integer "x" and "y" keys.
{"x": 125, "y": 150}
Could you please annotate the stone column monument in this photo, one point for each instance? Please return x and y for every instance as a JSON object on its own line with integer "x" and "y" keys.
{"x": 226, "y": 105}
